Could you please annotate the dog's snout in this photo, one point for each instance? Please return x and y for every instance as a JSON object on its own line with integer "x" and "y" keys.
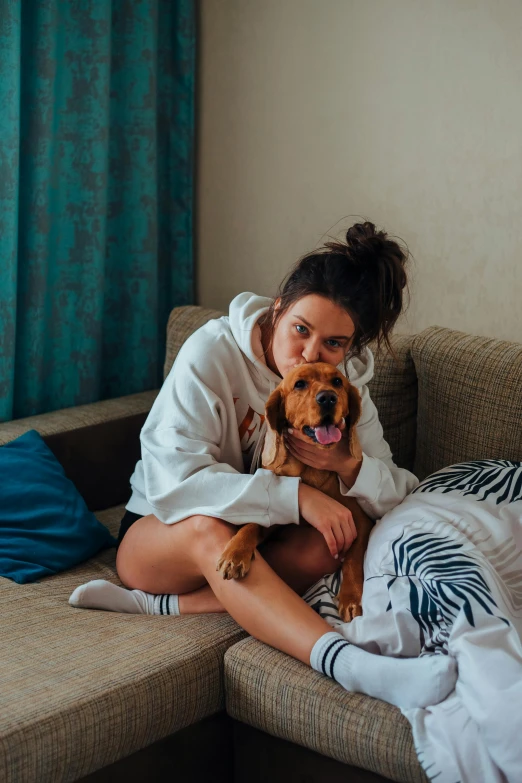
{"x": 326, "y": 399}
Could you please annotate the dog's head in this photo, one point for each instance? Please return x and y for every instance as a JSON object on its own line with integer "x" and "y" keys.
{"x": 313, "y": 398}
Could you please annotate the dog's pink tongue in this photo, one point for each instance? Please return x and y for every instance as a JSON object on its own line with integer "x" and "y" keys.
{"x": 329, "y": 434}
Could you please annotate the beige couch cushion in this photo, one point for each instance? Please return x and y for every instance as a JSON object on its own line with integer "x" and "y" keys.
{"x": 81, "y": 688}
{"x": 282, "y": 696}
{"x": 470, "y": 399}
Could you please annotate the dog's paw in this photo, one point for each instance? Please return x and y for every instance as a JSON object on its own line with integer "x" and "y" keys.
{"x": 235, "y": 565}
{"x": 349, "y": 611}
{"x": 349, "y": 604}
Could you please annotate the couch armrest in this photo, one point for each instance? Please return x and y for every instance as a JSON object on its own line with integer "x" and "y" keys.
{"x": 97, "y": 444}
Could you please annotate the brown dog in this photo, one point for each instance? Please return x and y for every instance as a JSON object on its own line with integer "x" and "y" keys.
{"x": 313, "y": 398}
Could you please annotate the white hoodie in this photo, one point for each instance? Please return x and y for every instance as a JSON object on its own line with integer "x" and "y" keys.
{"x": 199, "y": 439}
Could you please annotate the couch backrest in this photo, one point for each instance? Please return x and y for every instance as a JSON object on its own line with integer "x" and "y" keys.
{"x": 470, "y": 399}
{"x": 393, "y": 388}
{"x": 183, "y": 321}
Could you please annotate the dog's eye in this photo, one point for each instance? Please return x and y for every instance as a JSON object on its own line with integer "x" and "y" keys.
{"x": 300, "y": 385}
{"x": 337, "y": 382}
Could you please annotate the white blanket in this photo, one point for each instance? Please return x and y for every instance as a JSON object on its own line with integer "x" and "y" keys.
{"x": 443, "y": 575}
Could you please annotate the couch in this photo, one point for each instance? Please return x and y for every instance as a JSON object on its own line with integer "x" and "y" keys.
{"x": 100, "y": 696}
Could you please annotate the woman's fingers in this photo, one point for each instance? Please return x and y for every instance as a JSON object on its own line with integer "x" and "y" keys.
{"x": 349, "y": 532}
{"x": 339, "y": 538}
{"x": 300, "y": 440}
{"x": 331, "y": 543}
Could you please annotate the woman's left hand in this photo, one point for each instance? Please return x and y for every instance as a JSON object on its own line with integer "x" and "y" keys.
{"x": 337, "y": 458}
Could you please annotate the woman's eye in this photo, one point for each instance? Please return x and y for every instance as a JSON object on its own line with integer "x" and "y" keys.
{"x": 300, "y": 385}
{"x": 335, "y": 345}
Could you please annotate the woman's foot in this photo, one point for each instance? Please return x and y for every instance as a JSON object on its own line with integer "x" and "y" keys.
{"x": 405, "y": 682}
{"x": 100, "y": 594}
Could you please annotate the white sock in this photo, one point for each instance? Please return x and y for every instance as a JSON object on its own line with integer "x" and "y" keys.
{"x": 100, "y": 594}
{"x": 405, "y": 682}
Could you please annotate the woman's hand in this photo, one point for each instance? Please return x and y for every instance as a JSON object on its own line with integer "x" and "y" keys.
{"x": 329, "y": 517}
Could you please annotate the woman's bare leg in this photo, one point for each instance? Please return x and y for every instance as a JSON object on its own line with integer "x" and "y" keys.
{"x": 261, "y": 603}
{"x": 155, "y": 557}
{"x": 202, "y": 601}
{"x": 159, "y": 558}
{"x": 299, "y": 555}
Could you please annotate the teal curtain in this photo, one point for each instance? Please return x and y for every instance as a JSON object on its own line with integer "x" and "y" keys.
{"x": 96, "y": 187}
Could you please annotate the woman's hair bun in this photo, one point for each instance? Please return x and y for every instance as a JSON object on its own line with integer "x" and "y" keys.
{"x": 363, "y": 240}
{"x": 361, "y": 231}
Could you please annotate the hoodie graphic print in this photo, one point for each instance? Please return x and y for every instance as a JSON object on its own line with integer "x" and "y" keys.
{"x": 249, "y": 430}
{"x": 200, "y": 437}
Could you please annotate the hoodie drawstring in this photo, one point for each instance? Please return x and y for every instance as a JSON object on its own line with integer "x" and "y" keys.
{"x": 256, "y": 459}
{"x": 258, "y": 449}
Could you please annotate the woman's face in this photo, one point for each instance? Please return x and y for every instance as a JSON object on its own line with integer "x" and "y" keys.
{"x": 313, "y": 329}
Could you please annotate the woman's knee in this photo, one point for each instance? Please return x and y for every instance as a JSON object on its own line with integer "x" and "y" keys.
{"x": 210, "y": 533}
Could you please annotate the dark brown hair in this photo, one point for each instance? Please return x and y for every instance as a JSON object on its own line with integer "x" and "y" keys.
{"x": 365, "y": 275}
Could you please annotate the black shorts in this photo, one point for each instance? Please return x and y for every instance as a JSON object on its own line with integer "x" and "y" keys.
{"x": 128, "y": 519}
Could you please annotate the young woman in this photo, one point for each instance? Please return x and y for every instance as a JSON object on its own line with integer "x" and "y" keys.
{"x": 199, "y": 477}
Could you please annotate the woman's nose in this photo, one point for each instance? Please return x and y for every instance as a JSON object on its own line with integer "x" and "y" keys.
{"x": 311, "y": 354}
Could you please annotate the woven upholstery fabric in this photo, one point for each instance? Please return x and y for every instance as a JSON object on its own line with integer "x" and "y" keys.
{"x": 470, "y": 399}
{"x": 82, "y": 688}
{"x": 71, "y": 419}
{"x": 277, "y": 694}
{"x": 393, "y": 390}
{"x": 183, "y": 321}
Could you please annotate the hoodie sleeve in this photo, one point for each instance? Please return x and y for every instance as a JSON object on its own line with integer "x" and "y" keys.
{"x": 184, "y": 473}
{"x": 380, "y": 485}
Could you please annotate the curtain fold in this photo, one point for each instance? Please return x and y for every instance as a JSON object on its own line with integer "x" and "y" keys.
{"x": 96, "y": 185}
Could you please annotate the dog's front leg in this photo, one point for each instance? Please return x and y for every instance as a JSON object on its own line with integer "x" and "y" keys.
{"x": 240, "y": 551}
{"x": 350, "y": 594}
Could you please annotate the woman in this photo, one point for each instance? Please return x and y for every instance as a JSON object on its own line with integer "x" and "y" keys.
{"x": 191, "y": 487}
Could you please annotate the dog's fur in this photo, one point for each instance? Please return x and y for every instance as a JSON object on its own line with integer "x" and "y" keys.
{"x": 298, "y": 408}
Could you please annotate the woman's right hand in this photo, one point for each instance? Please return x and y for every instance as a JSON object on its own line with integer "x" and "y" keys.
{"x": 329, "y": 517}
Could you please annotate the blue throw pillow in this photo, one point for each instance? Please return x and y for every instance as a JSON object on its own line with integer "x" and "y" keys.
{"x": 45, "y": 526}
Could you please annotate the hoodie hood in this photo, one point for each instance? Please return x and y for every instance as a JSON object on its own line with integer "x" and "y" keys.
{"x": 244, "y": 312}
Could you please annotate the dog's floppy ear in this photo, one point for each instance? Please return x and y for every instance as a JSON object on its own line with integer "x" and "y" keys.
{"x": 354, "y": 414}
{"x": 274, "y": 451}
{"x": 275, "y": 411}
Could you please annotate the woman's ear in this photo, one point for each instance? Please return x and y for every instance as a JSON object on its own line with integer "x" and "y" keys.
{"x": 275, "y": 411}
{"x": 354, "y": 414}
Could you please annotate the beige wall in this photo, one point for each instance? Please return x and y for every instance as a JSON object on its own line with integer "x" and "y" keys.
{"x": 407, "y": 112}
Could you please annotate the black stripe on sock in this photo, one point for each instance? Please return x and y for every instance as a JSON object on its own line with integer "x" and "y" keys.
{"x": 167, "y": 604}
{"x": 334, "y": 656}
{"x": 325, "y": 655}
{"x": 161, "y": 603}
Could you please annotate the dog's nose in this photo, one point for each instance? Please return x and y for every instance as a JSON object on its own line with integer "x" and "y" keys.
{"x": 326, "y": 399}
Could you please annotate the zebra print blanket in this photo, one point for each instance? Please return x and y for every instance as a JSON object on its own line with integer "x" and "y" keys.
{"x": 443, "y": 575}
